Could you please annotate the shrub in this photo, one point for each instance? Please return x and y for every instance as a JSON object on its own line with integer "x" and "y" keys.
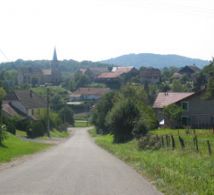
{"x": 122, "y": 119}
{"x": 173, "y": 114}
{"x": 140, "y": 129}
{"x": 37, "y": 129}
{"x": 149, "y": 142}
{"x": 100, "y": 112}
{"x": 3, "y": 134}
{"x": 66, "y": 114}
{"x": 10, "y": 124}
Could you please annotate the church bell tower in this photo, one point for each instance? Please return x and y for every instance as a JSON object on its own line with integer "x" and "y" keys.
{"x": 55, "y": 72}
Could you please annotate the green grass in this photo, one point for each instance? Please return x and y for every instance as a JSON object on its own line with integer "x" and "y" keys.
{"x": 202, "y": 136}
{"x": 21, "y": 133}
{"x": 92, "y": 132}
{"x": 56, "y": 134}
{"x": 79, "y": 123}
{"x": 59, "y": 134}
{"x": 81, "y": 116}
{"x": 53, "y": 89}
{"x": 174, "y": 172}
{"x": 15, "y": 147}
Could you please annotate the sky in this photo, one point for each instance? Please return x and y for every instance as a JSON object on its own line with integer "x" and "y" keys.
{"x": 100, "y": 29}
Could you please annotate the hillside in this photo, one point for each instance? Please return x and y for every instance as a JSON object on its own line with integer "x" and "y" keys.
{"x": 154, "y": 60}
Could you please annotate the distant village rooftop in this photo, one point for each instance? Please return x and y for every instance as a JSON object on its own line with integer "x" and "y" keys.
{"x": 116, "y": 72}
{"x": 90, "y": 91}
{"x": 166, "y": 98}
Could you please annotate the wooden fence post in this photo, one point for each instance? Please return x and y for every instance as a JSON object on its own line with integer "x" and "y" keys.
{"x": 162, "y": 141}
{"x": 167, "y": 141}
{"x": 195, "y": 140}
{"x": 209, "y": 147}
{"x": 182, "y": 143}
{"x": 173, "y": 142}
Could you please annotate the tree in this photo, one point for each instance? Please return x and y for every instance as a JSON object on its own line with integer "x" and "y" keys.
{"x": 209, "y": 71}
{"x": 100, "y": 112}
{"x": 177, "y": 86}
{"x": 3, "y": 134}
{"x": 57, "y": 102}
{"x": 172, "y": 115}
{"x": 67, "y": 115}
{"x": 119, "y": 113}
{"x": 2, "y": 95}
{"x": 199, "y": 82}
{"x": 122, "y": 120}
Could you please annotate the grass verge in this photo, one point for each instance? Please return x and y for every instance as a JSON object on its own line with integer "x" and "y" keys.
{"x": 80, "y": 123}
{"x": 174, "y": 172}
{"x": 15, "y": 147}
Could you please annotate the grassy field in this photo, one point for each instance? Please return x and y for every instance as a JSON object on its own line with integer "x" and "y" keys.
{"x": 54, "y": 133}
{"x": 187, "y": 135}
{"x": 81, "y": 116}
{"x": 15, "y": 147}
{"x": 174, "y": 171}
{"x": 80, "y": 123}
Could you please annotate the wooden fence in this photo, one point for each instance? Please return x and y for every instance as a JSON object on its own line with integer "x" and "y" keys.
{"x": 191, "y": 143}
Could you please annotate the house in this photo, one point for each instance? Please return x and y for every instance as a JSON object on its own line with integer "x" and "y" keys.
{"x": 150, "y": 75}
{"x": 116, "y": 73}
{"x": 91, "y": 93}
{"x": 198, "y": 112}
{"x": 23, "y": 104}
{"x": 38, "y": 76}
{"x": 189, "y": 70}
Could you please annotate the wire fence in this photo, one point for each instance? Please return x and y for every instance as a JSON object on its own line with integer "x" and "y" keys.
{"x": 186, "y": 143}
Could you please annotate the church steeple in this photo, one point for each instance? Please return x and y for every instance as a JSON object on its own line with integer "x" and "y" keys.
{"x": 55, "y": 55}
{"x": 56, "y": 74}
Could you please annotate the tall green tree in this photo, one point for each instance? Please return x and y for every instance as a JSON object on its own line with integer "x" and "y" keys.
{"x": 100, "y": 112}
{"x": 122, "y": 119}
{"x": 172, "y": 114}
{"x": 67, "y": 115}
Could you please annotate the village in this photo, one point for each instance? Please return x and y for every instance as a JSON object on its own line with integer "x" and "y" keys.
{"x": 166, "y": 112}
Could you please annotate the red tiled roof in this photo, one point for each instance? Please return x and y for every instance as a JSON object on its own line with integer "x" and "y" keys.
{"x": 116, "y": 72}
{"x": 109, "y": 75}
{"x": 91, "y": 91}
{"x": 8, "y": 109}
{"x": 165, "y": 99}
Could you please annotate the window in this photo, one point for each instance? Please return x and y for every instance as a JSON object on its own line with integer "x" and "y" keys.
{"x": 185, "y": 106}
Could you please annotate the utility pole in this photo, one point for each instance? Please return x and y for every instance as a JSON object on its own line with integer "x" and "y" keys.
{"x": 48, "y": 111}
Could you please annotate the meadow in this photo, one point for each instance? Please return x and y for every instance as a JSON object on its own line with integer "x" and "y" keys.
{"x": 14, "y": 147}
{"x": 173, "y": 171}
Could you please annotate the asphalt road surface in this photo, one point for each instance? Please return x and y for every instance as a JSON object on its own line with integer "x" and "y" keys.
{"x": 75, "y": 167}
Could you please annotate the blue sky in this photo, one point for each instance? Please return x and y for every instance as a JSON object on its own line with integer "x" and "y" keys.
{"x": 100, "y": 29}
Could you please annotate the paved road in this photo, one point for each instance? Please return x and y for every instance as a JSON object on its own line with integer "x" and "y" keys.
{"x": 75, "y": 167}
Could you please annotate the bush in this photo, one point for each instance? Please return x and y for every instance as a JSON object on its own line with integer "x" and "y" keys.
{"x": 66, "y": 114}
{"x": 122, "y": 119}
{"x": 173, "y": 114}
{"x": 100, "y": 112}
{"x": 149, "y": 142}
{"x": 140, "y": 129}
{"x": 37, "y": 129}
{"x": 10, "y": 124}
{"x": 3, "y": 134}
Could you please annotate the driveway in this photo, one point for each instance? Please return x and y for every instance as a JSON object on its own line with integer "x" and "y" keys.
{"x": 75, "y": 167}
